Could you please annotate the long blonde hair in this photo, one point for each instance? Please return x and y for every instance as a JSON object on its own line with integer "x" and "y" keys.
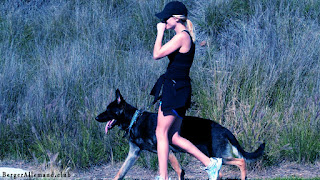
{"x": 189, "y": 25}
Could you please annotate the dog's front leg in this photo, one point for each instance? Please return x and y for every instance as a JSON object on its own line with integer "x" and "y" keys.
{"x": 133, "y": 155}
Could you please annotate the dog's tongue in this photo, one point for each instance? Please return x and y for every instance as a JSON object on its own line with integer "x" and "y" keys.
{"x": 109, "y": 123}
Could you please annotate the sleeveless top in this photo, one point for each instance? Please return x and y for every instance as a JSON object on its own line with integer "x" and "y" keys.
{"x": 175, "y": 83}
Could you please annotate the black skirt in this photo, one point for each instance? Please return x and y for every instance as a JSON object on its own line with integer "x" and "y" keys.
{"x": 175, "y": 93}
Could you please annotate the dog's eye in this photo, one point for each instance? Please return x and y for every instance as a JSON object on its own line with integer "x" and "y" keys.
{"x": 114, "y": 112}
{"x": 118, "y": 112}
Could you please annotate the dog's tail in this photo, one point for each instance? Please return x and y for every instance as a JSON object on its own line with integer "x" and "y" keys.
{"x": 240, "y": 152}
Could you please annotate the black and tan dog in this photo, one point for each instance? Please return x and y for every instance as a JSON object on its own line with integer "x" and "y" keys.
{"x": 210, "y": 137}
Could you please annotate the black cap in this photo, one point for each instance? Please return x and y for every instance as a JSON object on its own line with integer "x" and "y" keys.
{"x": 173, "y": 8}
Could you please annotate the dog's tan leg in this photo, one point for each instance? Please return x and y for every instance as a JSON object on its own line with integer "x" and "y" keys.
{"x": 129, "y": 162}
{"x": 220, "y": 175}
{"x": 176, "y": 165}
{"x": 240, "y": 163}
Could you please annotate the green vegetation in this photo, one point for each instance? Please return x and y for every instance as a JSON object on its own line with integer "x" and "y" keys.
{"x": 61, "y": 61}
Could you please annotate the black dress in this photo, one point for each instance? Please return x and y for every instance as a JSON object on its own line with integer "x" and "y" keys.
{"x": 175, "y": 83}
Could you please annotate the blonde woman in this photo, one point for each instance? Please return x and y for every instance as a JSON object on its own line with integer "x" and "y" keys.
{"x": 176, "y": 88}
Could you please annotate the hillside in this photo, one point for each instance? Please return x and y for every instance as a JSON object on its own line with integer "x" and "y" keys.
{"x": 258, "y": 74}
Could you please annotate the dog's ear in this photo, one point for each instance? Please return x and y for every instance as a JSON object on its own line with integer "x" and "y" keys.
{"x": 119, "y": 97}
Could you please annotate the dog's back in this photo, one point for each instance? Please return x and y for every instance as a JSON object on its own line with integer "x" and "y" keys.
{"x": 206, "y": 134}
{"x": 214, "y": 140}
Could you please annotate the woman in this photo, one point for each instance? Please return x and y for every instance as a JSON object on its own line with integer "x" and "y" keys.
{"x": 176, "y": 88}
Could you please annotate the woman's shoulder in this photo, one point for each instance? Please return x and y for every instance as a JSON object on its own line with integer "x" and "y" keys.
{"x": 185, "y": 39}
{"x": 181, "y": 38}
{"x": 183, "y": 35}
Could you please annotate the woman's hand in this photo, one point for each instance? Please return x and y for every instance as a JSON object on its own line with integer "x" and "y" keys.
{"x": 161, "y": 27}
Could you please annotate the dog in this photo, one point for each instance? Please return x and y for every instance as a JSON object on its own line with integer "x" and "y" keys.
{"x": 210, "y": 137}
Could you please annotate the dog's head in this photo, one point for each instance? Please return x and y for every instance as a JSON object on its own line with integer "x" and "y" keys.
{"x": 113, "y": 115}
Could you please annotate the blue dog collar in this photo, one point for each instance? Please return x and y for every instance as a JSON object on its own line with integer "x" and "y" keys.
{"x": 134, "y": 118}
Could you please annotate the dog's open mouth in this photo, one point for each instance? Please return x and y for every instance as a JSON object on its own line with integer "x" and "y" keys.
{"x": 109, "y": 125}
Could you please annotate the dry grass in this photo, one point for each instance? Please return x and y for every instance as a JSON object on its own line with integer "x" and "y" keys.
{"x": 61, "y": 61}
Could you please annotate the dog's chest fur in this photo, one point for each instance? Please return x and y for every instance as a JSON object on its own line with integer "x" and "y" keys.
{"x": 143, "y": 132}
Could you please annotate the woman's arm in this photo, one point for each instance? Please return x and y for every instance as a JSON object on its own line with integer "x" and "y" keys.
{"x": 160, "y": 51}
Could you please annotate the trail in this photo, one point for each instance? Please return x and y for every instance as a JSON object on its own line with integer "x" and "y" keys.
{"x": 193, "y": 171}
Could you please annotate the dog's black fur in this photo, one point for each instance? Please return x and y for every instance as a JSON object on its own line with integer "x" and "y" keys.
{"x": 210, "y": 137}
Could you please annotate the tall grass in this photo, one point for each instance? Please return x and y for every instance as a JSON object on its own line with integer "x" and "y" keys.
{"x": 61, "y": 61}
{"x": 260, "y": 77}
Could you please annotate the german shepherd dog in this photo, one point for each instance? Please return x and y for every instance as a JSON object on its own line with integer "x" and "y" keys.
{"x": 210, "y": 137}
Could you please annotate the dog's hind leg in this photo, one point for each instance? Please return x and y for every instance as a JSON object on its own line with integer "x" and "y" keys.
{"x": 133, "y": 155}
{"x": 176, "y": 166}
{"x": 240, "y": 163}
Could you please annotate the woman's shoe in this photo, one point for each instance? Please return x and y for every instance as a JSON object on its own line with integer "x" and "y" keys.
{"x": 213, "y": 168}
{"x": 161, "y": 178}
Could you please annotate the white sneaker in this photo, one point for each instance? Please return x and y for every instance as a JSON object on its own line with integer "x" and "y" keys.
{"x": 213, "y": 168}
{"x": 161, "y": 178}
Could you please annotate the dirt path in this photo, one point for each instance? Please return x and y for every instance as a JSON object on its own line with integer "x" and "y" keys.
{"x": 193, "y": 171}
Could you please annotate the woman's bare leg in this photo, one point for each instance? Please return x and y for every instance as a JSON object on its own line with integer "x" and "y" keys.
{"x": 185, "y": 144}
{"x": 168, "y": 128}
{"x": 163, "y": 126}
